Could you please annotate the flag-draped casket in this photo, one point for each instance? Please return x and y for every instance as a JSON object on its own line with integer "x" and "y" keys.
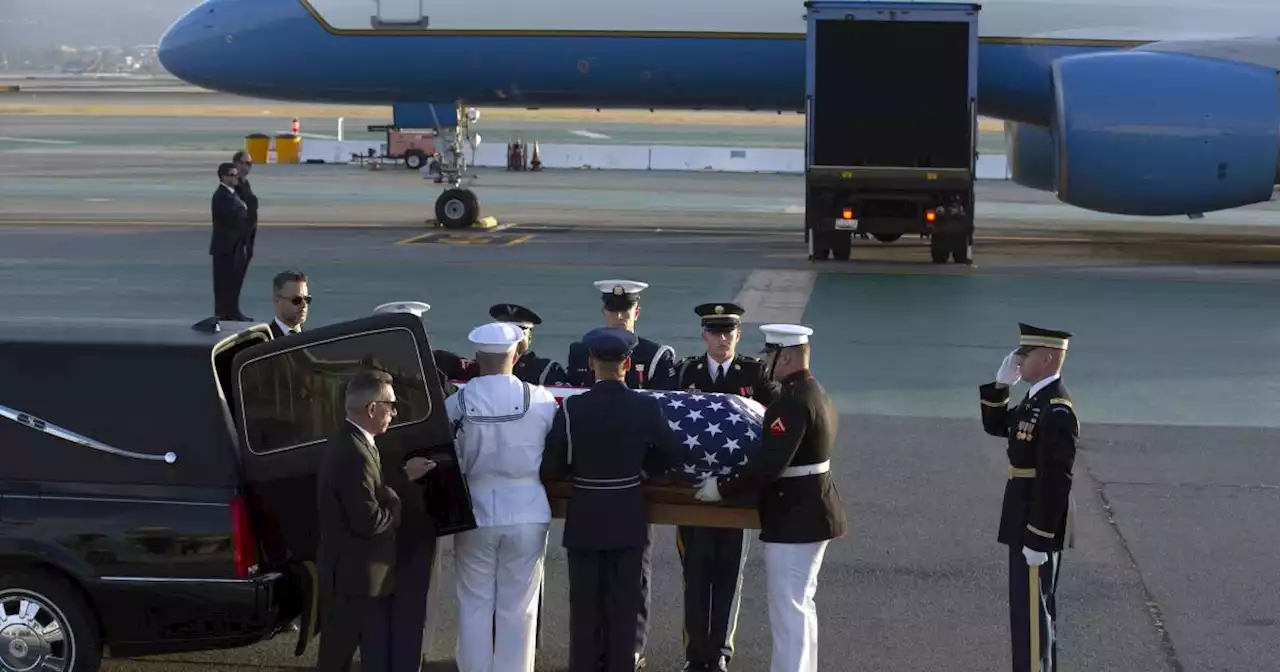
{"x": 721, "y": 435}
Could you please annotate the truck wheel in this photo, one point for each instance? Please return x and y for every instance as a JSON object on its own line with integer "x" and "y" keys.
{"x": 962, "y": 249}
{"x": 939, "y": 248}
{"x": 819, "y": 245}
{"x": 842, "y": 245}
{"x": 887, "y": 237}
{"x": 46, "y": 624}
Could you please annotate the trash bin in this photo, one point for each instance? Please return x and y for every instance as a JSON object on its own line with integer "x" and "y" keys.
{"x": 288, "y": 148}
{"x": 257, "y": 145}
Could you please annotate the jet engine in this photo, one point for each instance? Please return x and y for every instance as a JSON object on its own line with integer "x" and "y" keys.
{"x": 1031, "y": 156}
{"x": 1160, "y": 133}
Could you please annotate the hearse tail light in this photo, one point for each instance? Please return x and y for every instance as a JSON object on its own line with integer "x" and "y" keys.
{"x": 242, "y": 539}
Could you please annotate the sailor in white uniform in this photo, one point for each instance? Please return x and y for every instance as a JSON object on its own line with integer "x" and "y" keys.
{"x": 500, "y": 426}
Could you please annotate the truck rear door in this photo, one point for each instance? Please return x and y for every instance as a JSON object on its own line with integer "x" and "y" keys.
{"x": 289, "y": 401}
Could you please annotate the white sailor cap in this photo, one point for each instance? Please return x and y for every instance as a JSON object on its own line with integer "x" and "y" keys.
{"x": 496, "y": 337}
{"x": 785, "y": 335}
{"x": 620, "y": 294}
{"x": 418, "y": 308}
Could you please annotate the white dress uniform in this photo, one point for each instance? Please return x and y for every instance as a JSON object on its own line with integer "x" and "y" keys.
{"x": 501, "y": 424}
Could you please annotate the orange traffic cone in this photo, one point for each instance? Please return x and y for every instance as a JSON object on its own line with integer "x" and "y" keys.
{"x": 536, "y": 162}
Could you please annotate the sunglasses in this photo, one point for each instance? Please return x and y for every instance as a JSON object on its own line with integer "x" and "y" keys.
{"x": 298, "y": 300}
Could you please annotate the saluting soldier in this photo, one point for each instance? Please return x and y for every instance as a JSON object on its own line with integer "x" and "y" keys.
{"x": 529, "y": 367}
{"x": 800, "y": 507}
{"x": 650, "y": 360}
{"x": 1035, "y": 518}
{"x": 603, "y": 441}
{"x": 713, "y": 558}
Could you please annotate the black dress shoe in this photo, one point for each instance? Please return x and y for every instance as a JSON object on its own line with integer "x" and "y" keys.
{"x": 241, "y": 317}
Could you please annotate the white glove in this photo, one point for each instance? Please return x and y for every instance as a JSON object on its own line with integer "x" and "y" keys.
{"x": 708, "y": 491}
{"x": 1034, "y": 558}
{"x": 1008, "y": 372}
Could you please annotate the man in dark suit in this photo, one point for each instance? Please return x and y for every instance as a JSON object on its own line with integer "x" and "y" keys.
{"x": 290, "y": 295}
{"x": 800, "y": 507}
{"x": 602, "y": 440}
{"x": 1036, "y": 521}
{"x": 359, "y": 514}
{"x": 713, "y": 558}
{"x": 227, "y": 244}
{"x": 243, "y": 165}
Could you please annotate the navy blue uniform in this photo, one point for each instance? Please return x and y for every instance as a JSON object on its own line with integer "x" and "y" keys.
{"x": 648, "y": 360}
{"x": 602, "y": 441}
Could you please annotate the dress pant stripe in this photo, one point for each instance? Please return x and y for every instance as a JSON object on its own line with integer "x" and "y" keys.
{"x": 737, "y": 591}
{"x": 1034, "y": 616}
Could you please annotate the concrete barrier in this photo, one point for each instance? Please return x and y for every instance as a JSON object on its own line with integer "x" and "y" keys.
{"x": 629, "y": 157}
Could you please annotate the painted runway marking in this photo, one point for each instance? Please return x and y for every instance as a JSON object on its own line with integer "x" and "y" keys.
{"x": 591, "y": 134}
{"x": 447, "y": 238}
{"x": 775, "y": 296}
{"x": 38, "y": 141}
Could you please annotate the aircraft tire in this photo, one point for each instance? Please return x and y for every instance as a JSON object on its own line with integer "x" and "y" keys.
{"x": 457, "y": 208}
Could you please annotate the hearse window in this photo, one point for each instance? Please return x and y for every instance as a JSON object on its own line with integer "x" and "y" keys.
{"x": 295, "y": 397}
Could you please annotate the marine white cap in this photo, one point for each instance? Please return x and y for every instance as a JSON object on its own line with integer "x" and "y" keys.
{"x": 496, "y": 337}
{"x": 621, "y": 286}
{"x": 785, "y": 335}
{"x": 418, "y": 308}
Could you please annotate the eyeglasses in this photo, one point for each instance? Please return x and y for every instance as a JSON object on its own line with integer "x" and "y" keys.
{"x": 297, "y": 300}
{"x": 390, "y": 403}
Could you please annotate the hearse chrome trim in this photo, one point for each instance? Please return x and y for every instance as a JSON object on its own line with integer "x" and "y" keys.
{"x": 269, "y": 576}
{"x": 66, "y": 435}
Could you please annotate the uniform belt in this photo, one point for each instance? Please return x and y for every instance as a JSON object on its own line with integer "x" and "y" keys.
{"x": 1015, "y": 472}
{"x": 624, "y": 483}
{"x": 806, "y": 469}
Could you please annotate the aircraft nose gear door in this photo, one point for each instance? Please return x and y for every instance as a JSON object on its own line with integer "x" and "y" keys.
{"x": 399, "y": 14}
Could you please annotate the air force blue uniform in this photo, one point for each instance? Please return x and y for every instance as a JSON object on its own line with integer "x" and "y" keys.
{"x": 603, "y": 441}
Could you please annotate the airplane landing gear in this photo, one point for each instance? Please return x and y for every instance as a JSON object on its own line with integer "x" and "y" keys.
{"x": 458, "y": 207}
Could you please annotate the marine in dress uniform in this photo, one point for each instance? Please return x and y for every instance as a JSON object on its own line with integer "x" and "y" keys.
{"x": 529, "y": 367}
{"x": 800, "y": 507}
{"x": 501, "y": 425}
{"x": 604, "y": 441}
{"x": 1036, "y": 515}
{"x": 650, "y": 360}
{"x": 713, "y": 558}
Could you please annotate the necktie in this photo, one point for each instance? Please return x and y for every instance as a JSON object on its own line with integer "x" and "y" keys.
{"x": 719, "y": 374}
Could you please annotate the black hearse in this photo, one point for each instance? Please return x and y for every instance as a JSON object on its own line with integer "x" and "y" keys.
{"x": 157, "y": 484}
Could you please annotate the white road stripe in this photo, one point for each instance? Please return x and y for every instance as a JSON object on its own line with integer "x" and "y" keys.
{"x": 39, "y": 141}
{"x": 591, "y": 134}
{"x": 775, "y": 296}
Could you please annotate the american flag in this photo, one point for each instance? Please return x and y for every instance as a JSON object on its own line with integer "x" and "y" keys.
{"x": 721, "y": 431}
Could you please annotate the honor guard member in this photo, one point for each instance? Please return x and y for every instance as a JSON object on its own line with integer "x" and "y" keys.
{"x": 449, "y": 367}
{"x": 649, "y": 360}
{"x": 621, "y": 310}
{"x": 713, "y": 558}
{"x": 800, "y": 508}
{"x": 604, "y": 441}
{"x": 1035, "y": 518}
{"x": 501, "y": 425}
{"x": 529, "y": 367}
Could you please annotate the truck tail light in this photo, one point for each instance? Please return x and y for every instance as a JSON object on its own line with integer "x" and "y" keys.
{"x": 847, "y": 213}
{"x": 242, "y": 539}
{"x": 930, "y": 215}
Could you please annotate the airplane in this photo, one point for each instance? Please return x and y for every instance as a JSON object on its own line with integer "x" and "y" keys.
{"x": 1132, "y": 107}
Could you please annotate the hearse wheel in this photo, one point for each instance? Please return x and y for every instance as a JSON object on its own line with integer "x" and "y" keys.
{"x": 457, "y": 208}
{"x": 45, "y": 625}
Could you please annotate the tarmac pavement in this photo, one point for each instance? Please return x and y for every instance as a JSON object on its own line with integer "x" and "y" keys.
{"x": 1177, "y": 479}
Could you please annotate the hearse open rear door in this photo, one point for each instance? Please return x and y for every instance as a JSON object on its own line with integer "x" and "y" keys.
{"x": 289, "y": 401}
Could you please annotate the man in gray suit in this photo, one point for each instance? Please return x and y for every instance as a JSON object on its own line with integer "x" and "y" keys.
{"x": 359, "y": 515}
